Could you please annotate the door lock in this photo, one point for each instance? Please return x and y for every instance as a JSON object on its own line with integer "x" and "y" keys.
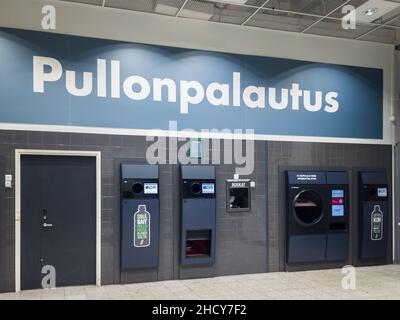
{"x": 47, "y": 225}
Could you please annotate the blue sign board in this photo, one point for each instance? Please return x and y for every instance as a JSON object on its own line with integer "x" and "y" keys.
{"x": 53, "y": 79}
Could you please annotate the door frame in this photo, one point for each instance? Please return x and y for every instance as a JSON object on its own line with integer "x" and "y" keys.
{"x": 38, "y": 152}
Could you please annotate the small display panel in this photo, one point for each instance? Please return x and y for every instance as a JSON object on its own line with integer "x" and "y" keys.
{"x": 337, "y": 203}
{"x": 150, "y": 188}
{"x": 337, "y": 193}
{"x": 207, "y": 188}
{"x": 382, "y": 192}
{"x": 337, "y": 211}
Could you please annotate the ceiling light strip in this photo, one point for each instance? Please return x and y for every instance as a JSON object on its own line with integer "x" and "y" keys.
{"x": 297, "y": 13}
{"x": 315, "y": 22}
{"x": 181, "y": 8}
{"x": 254, "y": 13}
{"x": 236, "y": 4}
{"x": 377, "y": 27}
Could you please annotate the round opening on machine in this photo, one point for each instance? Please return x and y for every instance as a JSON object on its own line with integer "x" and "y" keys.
{"x": 308, "y": 208}
{"x": 195, "y": 188}
{"x": 137, "y": 187}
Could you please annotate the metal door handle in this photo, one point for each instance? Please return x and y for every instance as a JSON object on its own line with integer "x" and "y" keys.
{"x": 47, "y": 224}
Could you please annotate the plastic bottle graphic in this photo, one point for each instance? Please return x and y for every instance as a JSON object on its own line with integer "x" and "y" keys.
{"x": 376, "y": 223}
{"x": 141, "y": 227}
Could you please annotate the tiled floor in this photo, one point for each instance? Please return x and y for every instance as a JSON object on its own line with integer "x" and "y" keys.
{"x": 382, "y": 282}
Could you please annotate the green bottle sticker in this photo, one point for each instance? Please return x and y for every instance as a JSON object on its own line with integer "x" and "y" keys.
{"x": 376, "y": 223}
{"x": 141, "y": 226}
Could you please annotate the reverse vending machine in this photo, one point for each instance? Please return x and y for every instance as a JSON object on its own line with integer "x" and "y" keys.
{"x": 317, "y": 218}
{"x": 140, "y": 216}
{"x": 374, "y": 215}
{"x": 198, "y": 215}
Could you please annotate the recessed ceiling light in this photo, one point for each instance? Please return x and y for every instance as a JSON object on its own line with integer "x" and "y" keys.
{"x": 370, "y": 11}
{"x": 374, "y": 9}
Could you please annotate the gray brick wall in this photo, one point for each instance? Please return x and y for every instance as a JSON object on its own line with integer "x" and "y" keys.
{"x": 241, "y": 238}
{"x": 247, "y": 242}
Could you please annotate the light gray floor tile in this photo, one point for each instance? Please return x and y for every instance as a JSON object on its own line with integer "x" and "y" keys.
{"x": 379, "y": 282}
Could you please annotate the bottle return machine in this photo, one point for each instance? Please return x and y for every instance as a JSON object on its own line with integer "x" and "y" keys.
{"x": 140, "y": 216}
{"x": 198, "y": 214}
{"x": 317, "y": 218}
{"x": 374, "y": 216}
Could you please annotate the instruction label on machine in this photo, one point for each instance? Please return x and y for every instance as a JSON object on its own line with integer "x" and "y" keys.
{"x": 376, "y": 223}
{"x": 141, "y": 227}
{"x": 337, "y": 203}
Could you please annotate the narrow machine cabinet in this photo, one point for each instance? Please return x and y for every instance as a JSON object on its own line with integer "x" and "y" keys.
{"x": 140, "y": 216}
{"x": 198, "y": 215}
{"x": 374, "y": 216}
{"x": 317, "y": 218}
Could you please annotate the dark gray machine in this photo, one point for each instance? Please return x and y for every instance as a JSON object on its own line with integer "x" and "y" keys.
{"x": 374, "y": 216}
{"x": 140, "y": 216}
{"x": 317, "y": 218}
{"x": 198, "y": 215}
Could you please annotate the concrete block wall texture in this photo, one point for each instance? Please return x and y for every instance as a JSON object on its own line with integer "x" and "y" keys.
{"x": 241, "y": 238}
{"x": 396, "y": 93}
{"x": 397, "y": 200}
{"x": 246, "y": 242}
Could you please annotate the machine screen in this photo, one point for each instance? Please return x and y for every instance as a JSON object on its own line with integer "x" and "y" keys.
{"x": 382, "y": 192}
{"x": 150, "y": 188}
{"x": 207, "y": 188}
{"x": 337, "y": 203}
